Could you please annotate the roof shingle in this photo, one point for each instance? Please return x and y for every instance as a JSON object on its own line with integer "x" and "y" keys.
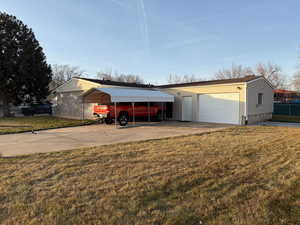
{"x": 212, "y": 82}
{"x": 117, "y": 83}
{"x": 199, "y": 83}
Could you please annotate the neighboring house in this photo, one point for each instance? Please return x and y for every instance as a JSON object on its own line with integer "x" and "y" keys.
{"x": 286, "y": 96}
{"x": 234, "y": 101}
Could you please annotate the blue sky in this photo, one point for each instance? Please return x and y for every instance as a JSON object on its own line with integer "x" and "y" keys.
{"x": 154, "y": 38}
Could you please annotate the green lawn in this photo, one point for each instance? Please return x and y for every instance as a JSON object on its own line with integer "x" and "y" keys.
{"x": 243, "y": 175}
{"x": 284, "y": 118}
{"x": 21, "y": 124}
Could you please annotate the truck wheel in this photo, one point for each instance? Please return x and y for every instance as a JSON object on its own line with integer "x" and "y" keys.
{"x": 123, "y": 119}
{"x": 159, "y": 116}
{"x": 108, "y": 120}
{"x": 101, "y": 121}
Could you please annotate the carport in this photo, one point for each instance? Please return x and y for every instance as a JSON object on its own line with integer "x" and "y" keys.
{"x": 127, "y": 95}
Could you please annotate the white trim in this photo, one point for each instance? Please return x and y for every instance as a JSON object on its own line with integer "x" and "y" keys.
{"x": 72, "y": 90}
{"x": 87, "y": 81}
{"x": 63, "y": 84}
{"x": 132, "y": 95}
{"x": 210, "y": 85}
{"x": 227, "y": 84}
{"x": 268, "y": 82}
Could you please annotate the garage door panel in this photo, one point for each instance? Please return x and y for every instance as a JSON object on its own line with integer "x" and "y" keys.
{"x": 219, "y": 108}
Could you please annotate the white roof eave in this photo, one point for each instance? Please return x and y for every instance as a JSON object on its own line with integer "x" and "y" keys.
{"x": 134, "y": 95}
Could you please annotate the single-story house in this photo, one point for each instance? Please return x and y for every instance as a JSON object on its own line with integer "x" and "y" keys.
{"x": 233, "y": 101}
{"x": 286, "y": 96}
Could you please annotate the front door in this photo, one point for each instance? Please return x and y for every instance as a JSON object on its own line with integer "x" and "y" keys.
{"x": 187, "y": 108}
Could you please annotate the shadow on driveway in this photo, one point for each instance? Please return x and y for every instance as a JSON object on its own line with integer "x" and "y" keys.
{"x": 95, "y": 135}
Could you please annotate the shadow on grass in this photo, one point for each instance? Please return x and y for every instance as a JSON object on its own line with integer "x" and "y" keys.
{"x": 285, "y": 119}
{"x": 285, "y": 207}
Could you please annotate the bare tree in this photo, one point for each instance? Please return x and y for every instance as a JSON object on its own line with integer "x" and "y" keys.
{"x": 63, "y": 73}
{"x": 296, "y": 78}
{"x": 105, "y": 76}
{"x": 129, "y": 78}
{"x": 236, "y": 71}
{"x": 273, "y": 73}
{"x": 296, "y": 81}
{"x": 176, "y": 79}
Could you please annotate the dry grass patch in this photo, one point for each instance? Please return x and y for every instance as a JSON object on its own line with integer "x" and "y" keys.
{"x": 22, "y": 124}
{"x": 285, "y": 118}
{"x": 246, "y": 175}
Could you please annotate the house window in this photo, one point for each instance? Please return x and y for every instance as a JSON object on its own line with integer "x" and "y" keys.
{"x": 260, "y": 99}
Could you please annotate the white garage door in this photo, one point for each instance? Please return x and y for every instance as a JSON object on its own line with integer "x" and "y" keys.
{"x": 219, "y": 108}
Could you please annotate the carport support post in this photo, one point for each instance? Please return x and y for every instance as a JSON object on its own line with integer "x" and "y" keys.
{"x": 83, "y": 108}
{"x": 163, "y": 112}
{"x": 133, "y": 113}
{"x": 115, "y": 114}
{"x": 148, "y": 104}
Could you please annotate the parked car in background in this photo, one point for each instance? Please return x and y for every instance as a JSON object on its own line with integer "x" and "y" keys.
{"x": 125, "y": 112}
{"x": 34, "y": 109}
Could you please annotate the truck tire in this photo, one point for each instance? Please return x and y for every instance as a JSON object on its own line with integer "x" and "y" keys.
{"x": 159, "y": 116}
{"x": 123, "y": 119}
{"x": 108, "y": 120}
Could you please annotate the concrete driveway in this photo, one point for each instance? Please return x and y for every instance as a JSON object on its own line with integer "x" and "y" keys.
{"x": 95, "y": 135}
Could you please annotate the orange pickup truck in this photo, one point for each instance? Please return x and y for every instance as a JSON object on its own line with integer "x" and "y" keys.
{"x": 125, "y": 112}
